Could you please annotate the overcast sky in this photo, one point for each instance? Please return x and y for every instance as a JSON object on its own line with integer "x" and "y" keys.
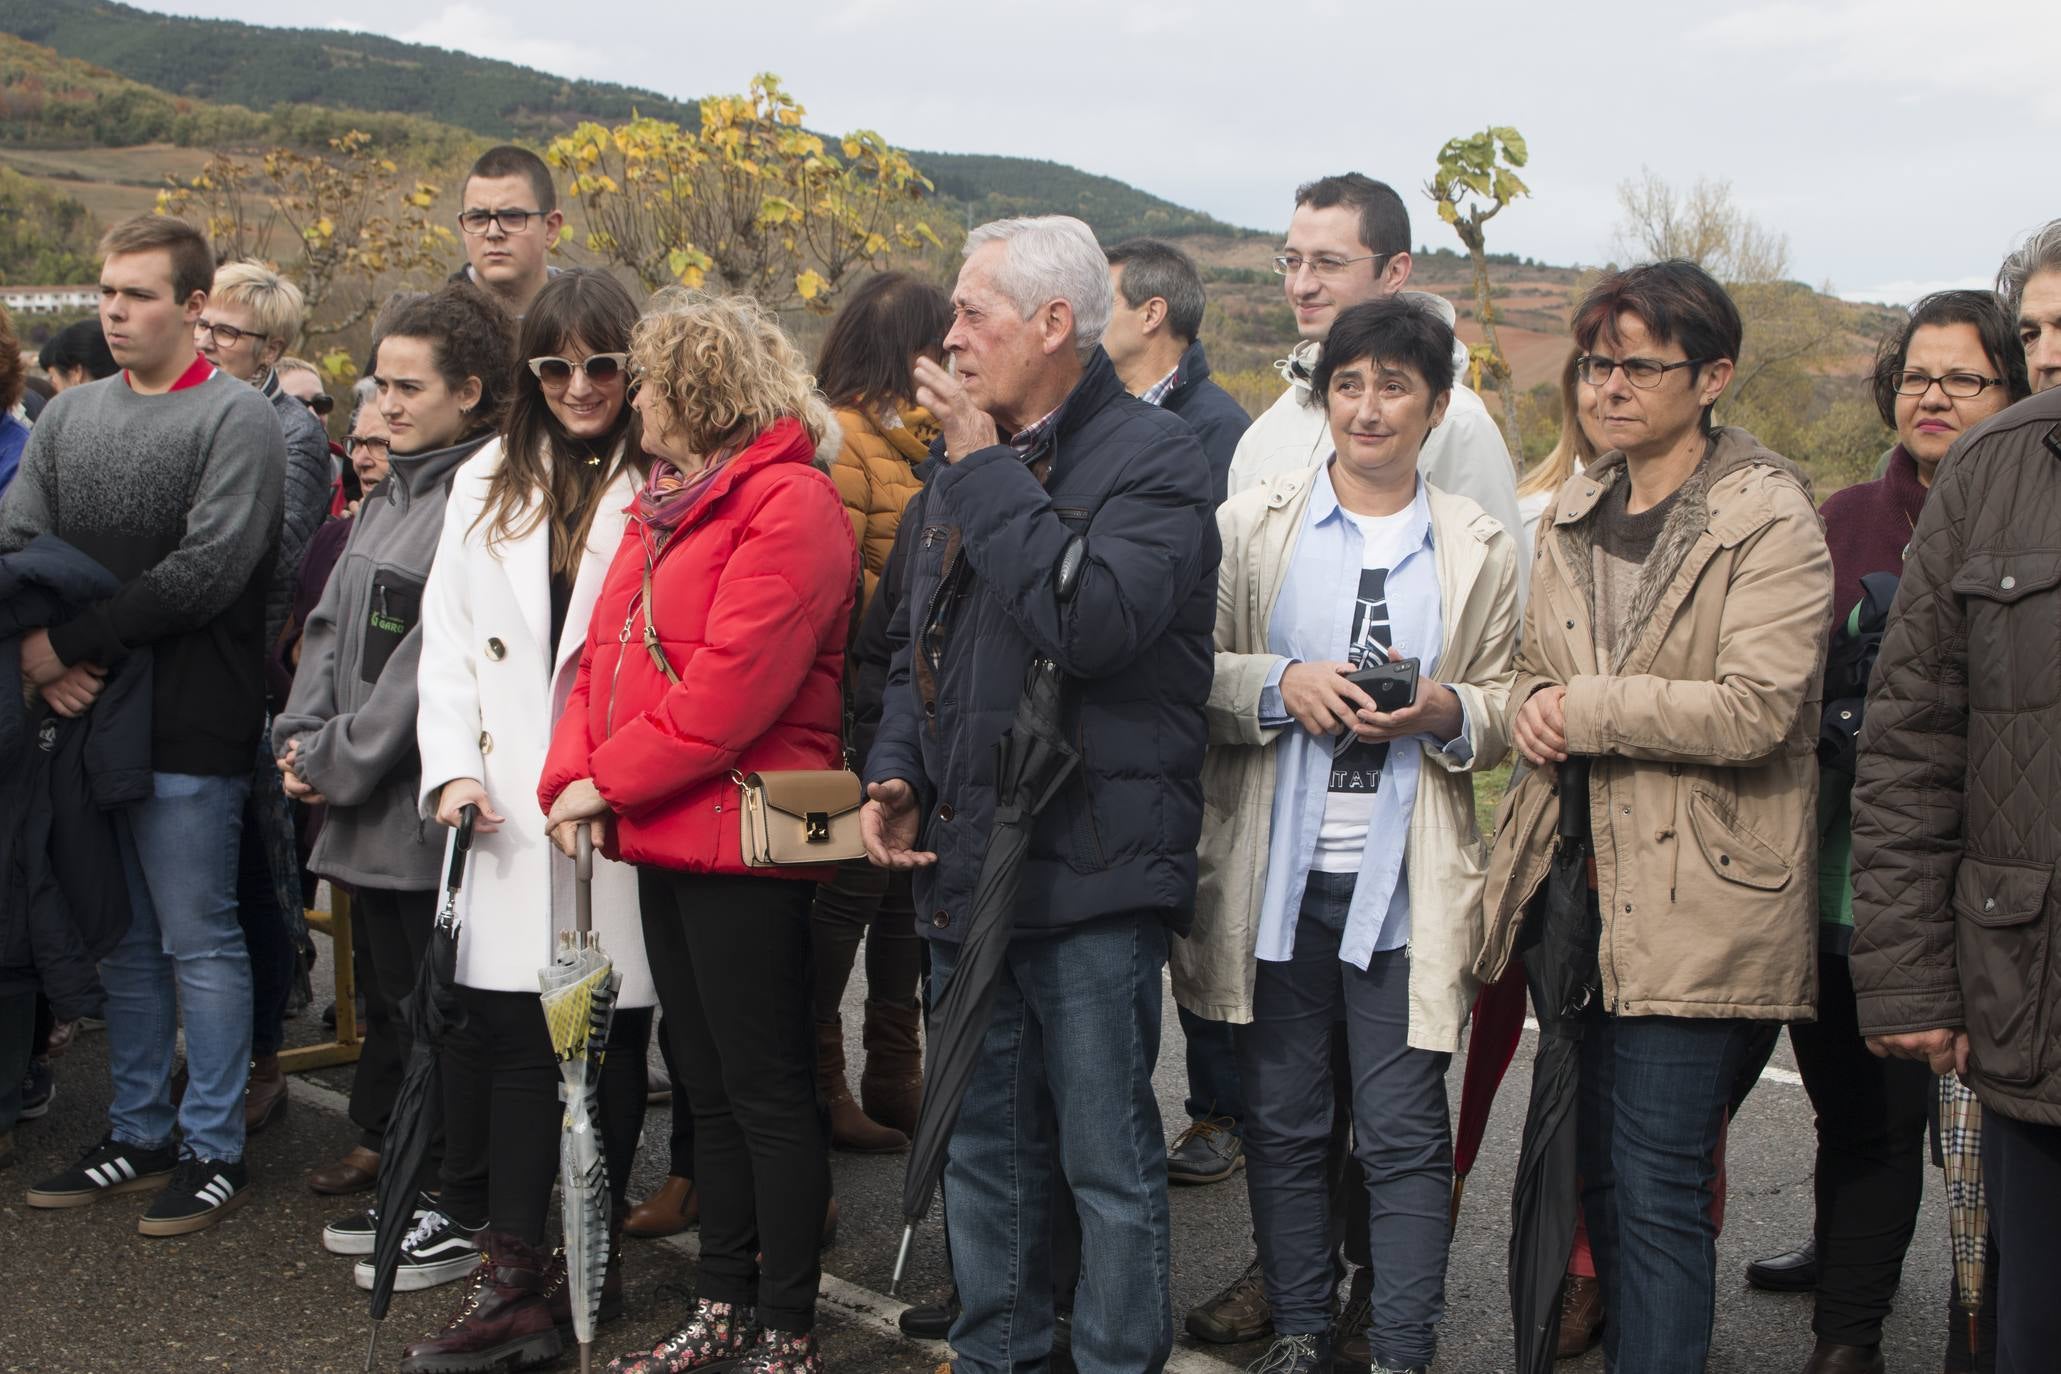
{"x": 1902, "y": 145}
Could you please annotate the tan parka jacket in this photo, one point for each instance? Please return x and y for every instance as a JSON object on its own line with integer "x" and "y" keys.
{"x": 1703, "y": 791}
{"x": 1476, "y": 561}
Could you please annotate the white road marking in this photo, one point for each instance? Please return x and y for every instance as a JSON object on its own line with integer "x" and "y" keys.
{"x": 875, "y": 1310}
{"x": 1770, "y": 1074}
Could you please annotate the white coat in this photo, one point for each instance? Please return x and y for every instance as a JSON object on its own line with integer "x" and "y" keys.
{"x": 492, "y": 687}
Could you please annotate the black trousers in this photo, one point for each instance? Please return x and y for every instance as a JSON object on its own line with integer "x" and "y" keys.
{"x": 2021, "y": 1168}
{"x": 680, "y": 1141}
{"x": 731, "y": 959}
{"x": 396, "y": 928}
{"x": 1871, "y": 1160}
{"x": 864, "y": 903}
{"x": 502, "y": 1116}
{"x": 274, "y": 962}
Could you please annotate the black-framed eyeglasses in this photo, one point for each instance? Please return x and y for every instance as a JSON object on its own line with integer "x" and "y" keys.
{"x": 1643, "y": 373}
{"x": 376, "y": 443}
{"x": 512, "y": 221}
{"x": 1961, "y": 386}
{"x": 601, "y": 368}
{"x": 1323, "y": 264}
{"x": 321, "y": 403}
{"x": 225, "y": 335}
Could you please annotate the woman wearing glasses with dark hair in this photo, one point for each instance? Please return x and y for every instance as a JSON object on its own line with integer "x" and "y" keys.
{"x": 531, "y": 525}
{"x": 1953, "y": 363}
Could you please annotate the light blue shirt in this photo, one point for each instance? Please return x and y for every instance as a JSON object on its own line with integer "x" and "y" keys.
{"x": 1312, "y": 621}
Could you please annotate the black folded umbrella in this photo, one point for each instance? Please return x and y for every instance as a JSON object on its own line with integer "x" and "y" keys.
{"x": 1032, "y": 761}
{"x": 1563, "y": 931}
{"x": 429, "y": 1011}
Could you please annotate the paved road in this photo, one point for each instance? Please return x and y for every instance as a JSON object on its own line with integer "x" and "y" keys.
{"x": 80, "y": 1291}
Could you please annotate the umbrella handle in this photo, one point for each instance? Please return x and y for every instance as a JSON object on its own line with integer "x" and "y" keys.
{"x": 902, "y": 1258}
{"x": 583, "y": 873}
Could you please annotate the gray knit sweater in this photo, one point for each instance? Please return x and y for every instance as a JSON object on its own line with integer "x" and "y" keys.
{"x": 178, "y": 496}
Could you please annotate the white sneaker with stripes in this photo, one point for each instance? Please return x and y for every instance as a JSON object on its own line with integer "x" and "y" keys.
{"x": 201, "y": 1193}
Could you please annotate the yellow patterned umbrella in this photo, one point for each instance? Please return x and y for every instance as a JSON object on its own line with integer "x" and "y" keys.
{"x": 578, "y": 991}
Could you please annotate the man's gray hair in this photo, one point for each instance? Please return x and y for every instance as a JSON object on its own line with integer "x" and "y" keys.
{"x": 2039, "y": 253}
{"x": 1152, "y": 268}
{"x": 362, "y": 393}
{"x": 1051, "y": 257}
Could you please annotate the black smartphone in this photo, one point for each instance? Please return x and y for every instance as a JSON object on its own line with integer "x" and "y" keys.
{"x": 1392, "y": 685}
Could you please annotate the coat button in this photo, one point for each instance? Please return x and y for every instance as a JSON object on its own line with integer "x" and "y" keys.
{"x": 1627, "y": 810}
{"x": 1570, "y": 624}
{"x": 1628, "y": 908}
{"x": 1989, "y": 904}
{"x": 941, "y": 920}
{"x": 2008, "y": 583}
{"x": 1725, "y": 859}
{"x": 496, "y": 650}
{"x": 944, "y": 811}
{"x": 930, "y": 709}
{"x": 486, "y": 743}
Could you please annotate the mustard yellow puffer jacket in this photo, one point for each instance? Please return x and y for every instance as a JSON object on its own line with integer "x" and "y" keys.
{"x": 875, "y": 473}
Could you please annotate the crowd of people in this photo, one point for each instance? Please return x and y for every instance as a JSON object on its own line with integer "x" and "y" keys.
{"x": 591, "y": 568}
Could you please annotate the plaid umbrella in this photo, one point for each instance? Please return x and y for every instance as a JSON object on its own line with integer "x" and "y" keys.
{"x": 1960, "y": 1141}
{"x": 579, "y": 992}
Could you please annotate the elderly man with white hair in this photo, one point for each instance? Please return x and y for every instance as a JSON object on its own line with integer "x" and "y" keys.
{"x": 1064, "y": 519}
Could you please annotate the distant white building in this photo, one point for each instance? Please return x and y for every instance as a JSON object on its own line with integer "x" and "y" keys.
{"x": 48, "y": 300}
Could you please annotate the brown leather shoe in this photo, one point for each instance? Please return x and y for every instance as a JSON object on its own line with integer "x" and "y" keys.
{"x": 1581, "y": 1317}
{"x": 850, "y": 1128}
{"x": 667, "y": 1212}
{"x": 354, "y": 1173}
{"x": 503, "y": 1318}
{"x": 1238, "y": 1314}
{"x": 264, "y": 1097}
{"x": 1828, "y": 1358}
{"x": 891, "y": 1085}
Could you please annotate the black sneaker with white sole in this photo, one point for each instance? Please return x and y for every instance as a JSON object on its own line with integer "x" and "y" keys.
{"x": 201, "y": 1193}
{"x": 354, "y": 1234}
{"x": 105, "y": 1170}
{"x": 436, "y": 1251}
{"x": 38, "y": 1087}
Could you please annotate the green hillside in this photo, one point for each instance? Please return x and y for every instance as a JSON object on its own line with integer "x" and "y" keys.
{"x": 180, "y": 63}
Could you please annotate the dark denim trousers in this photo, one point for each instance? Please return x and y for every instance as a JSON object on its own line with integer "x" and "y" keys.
{"x": 2021, "y": 1168}
{"x": 1076, "y": 1021}
{"x": 1653, "y": 1095}
{"x": 1402, "y": 1135}
{"x": 1214, "y": 1090}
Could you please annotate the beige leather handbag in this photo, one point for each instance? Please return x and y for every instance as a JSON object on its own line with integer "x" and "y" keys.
{"x": 796, "y": 819}
{"x": 792, "y": 818}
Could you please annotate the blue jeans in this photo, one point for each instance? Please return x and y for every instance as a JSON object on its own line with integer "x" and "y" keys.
{"x": 1077, "y": 1019}
{"x": 184, "y": 953}
{"x": 1214, "y": 1090}
{"x": 1653, "y": 1095}
{"x": 1402, "y": 1137}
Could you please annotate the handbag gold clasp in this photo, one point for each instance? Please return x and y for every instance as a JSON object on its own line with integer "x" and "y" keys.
{"x": 818, "y": 827}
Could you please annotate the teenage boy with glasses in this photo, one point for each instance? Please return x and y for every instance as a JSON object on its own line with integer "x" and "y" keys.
{"x": 510, "y": 220}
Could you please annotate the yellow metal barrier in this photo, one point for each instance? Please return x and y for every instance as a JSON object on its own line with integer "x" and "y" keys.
{"x": 344, "y": 1049}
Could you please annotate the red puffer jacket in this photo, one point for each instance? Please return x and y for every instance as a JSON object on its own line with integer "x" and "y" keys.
{"x": 752, "y": 599}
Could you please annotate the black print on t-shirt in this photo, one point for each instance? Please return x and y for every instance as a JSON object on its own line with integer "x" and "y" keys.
{"x": 1355, "y": 764}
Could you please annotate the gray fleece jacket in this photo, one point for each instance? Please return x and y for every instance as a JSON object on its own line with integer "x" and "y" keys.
{"x": 353, "y": 707}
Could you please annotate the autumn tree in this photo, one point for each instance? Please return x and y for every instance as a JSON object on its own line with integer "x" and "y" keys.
{"x": 348, "y": 224}
{"x": 46, "y": 238}
{"x": 1476, "y": 178}
{"x": 749, "y": 200}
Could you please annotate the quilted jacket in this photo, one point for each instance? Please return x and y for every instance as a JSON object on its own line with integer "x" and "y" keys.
{"x": 875, "y": 472}
{"x": 1955, "y": 829}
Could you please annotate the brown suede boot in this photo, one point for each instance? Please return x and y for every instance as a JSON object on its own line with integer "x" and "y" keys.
{"x": 850, "y": 1128}
{"x": 891, "y": 1087}
{"x": 503, "y": 1319}
{"x": 264, "y": 1098}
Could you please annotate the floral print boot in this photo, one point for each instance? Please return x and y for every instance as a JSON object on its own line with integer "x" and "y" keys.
{"x": 718, "y": 1333}
{"x": 783, "y": 1352}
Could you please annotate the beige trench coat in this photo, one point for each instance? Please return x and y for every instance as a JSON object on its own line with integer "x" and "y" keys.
{"x": 1703, "y": 793}
{"x": 1476, "y": 561}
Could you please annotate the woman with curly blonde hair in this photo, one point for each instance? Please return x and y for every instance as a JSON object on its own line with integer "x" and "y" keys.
{"x": 717, "y": 647}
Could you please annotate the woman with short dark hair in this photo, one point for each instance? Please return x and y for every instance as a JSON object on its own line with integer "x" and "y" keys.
{"x": 866, "y": 371}
{"x": 1341, "y": 869}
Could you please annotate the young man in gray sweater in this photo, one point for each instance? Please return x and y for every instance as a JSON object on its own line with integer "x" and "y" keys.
{"x": 169, "y": 475}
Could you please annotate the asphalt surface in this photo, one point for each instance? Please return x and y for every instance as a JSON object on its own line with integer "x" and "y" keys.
{"x": 81, "y": 1291}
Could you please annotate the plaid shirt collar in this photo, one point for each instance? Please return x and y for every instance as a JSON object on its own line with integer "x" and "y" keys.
{"x": 1028, "y": 438}
{"x": 1155, "y": 394}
